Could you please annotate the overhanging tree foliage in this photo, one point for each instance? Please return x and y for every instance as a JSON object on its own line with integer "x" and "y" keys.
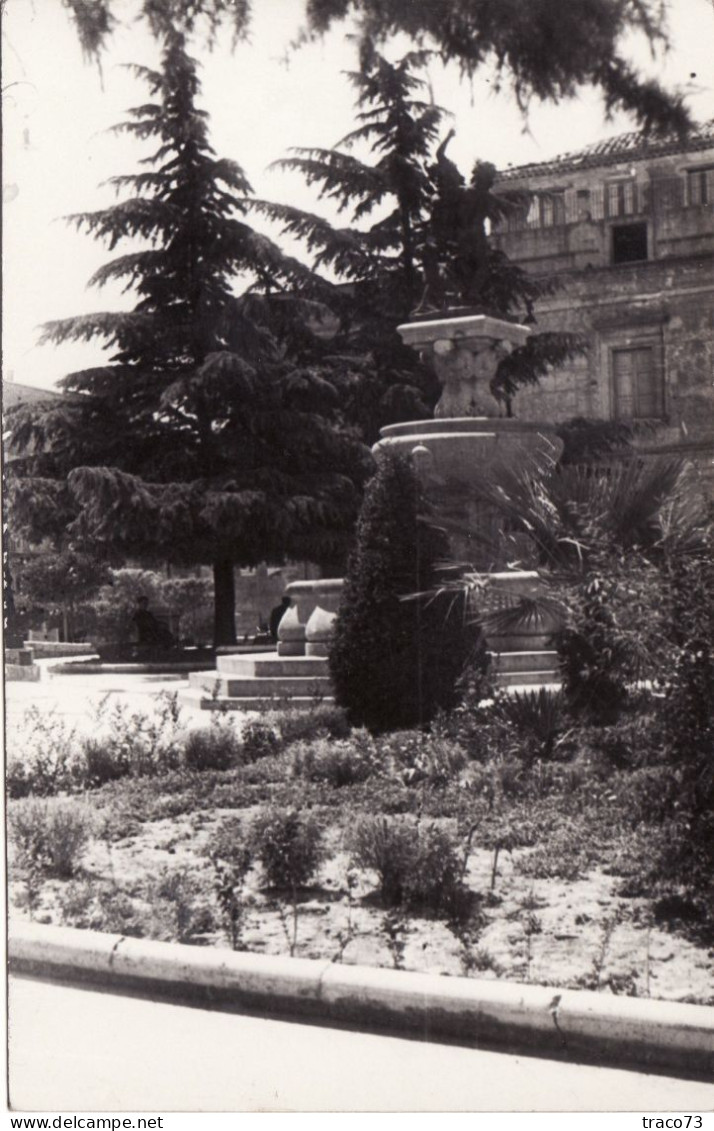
{"x": 545, "y": 49}
{"x": 427, "y": 248}
{"x": 213, "y": 434}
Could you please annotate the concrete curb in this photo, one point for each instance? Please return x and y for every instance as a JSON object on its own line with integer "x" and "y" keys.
{"x": 575, "y": 1024}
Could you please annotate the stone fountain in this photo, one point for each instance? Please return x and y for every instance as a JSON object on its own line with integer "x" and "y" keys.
{"x": 465, "y": 441}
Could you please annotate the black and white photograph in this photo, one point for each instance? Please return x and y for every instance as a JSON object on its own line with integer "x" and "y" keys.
{"x": 358, "y": 559}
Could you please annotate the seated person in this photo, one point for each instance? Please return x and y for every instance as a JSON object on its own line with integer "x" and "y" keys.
{"x": 151, "y": 632}
{"x": 277, "y": 615}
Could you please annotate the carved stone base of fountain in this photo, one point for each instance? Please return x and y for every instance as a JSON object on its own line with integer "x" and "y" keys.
{"x": 464, "y": 447}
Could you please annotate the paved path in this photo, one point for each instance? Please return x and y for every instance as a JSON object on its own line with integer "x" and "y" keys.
{"x": 74, "y": 697}
{"x": 88, "y": 1050}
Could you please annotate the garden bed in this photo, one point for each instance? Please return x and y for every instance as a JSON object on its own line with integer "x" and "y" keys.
{"x": 554, "y": 879}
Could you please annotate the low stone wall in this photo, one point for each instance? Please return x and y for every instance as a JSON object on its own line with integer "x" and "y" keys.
{"x": 19, "y": 665}
{"x": 48, "y": 649}
{"x": 16, "y": 672}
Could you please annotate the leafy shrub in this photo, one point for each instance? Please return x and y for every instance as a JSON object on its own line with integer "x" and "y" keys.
{"x": 587, "y": 652}
{"x": 651, "y": 794}
{"x": 417, "y": 865}
{"x": 537, "y": 717}
{"x": 259, "y": 740}
{"x": 100, "y": 907}
{"x": 338, "y": 763}
{"x": 27, "y": 835}
{"x": 387, "y": 846}
{"x": 436, "y": 882}
{"x": 47, "y": 757}
{"x": 435, "y": 758}
{"x": 140, "y": 743}
{"x": 477, "y": 724}
{"x": 435, "y": 761}
{"x": 566, "y": 853}
{"x": 633, "y": 742}
{"x": 228, "y": 841}
{"x": 689, "y": 701}
{"x": 396, "y": 657}
{"x": 49, "y": 836}
{"x": 211, "y": 748}
{"x": 42, "y": 755}
{"x": 178, "y": 907}
{"x": 687, "y": 708}
{"x": 231, "y": 859}
{"x": 612, "y": 635}
{"x": 18, "y": 777}
{"x": 104, "y": 761}
{"x": 323, "y": 720}
{"x": 289, "y": 844}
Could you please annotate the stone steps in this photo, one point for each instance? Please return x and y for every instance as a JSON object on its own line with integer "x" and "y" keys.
{"x": 525, "y": 680}
{"x": 244, "y": 681}
{"x": 523, "y": 642}
{"x": 267, "y": 675}
{"x": 270, "y": 665}
{"x": 256, "y": 687}
{"x": 197, "y": 698}
{"x": 508, "y": 662}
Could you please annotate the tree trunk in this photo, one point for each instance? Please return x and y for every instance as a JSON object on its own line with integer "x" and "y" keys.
{"x": 224, "y": 609}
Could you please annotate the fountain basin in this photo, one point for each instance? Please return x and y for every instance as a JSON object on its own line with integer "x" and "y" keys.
{"x": 463, "y": 448}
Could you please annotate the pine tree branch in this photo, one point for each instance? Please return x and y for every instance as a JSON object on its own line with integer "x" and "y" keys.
{"x": 341, "y": 248}
{"x": 108, "y": 325}
{"x": 149, "y": 219}
{"x": 342, "y": 177}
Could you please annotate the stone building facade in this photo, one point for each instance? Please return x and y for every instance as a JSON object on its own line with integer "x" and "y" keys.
{"x": 626, "y": 228}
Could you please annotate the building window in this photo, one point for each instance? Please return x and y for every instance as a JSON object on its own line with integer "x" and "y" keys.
{"x": 668, "y": 192}
{"x": 700, "y": 186}
{"x": 629, "y": 243}
{"x": 547, "y": 210}
{"x": 637, "y": 384}
{"x": 621, "y": 199}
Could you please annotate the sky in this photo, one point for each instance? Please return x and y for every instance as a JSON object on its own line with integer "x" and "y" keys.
{"x": 57, "y": 108}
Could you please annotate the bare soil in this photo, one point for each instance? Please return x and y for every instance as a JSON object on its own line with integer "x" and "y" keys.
{"x": 575, "y": 933}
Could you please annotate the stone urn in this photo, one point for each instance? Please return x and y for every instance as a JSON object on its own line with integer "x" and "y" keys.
{"x": 306, "y": 627}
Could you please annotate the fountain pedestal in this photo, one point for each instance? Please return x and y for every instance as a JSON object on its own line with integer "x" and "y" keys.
{"x": 467, "y": 440}
{"x": 465, "y": 443}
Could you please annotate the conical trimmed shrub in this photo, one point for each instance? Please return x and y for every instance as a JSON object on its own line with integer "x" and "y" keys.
{"x": 400, "y": 644}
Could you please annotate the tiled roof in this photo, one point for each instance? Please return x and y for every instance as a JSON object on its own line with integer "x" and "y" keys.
{"x": 14, "y": 393}
{"x": 630, "y": 146}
